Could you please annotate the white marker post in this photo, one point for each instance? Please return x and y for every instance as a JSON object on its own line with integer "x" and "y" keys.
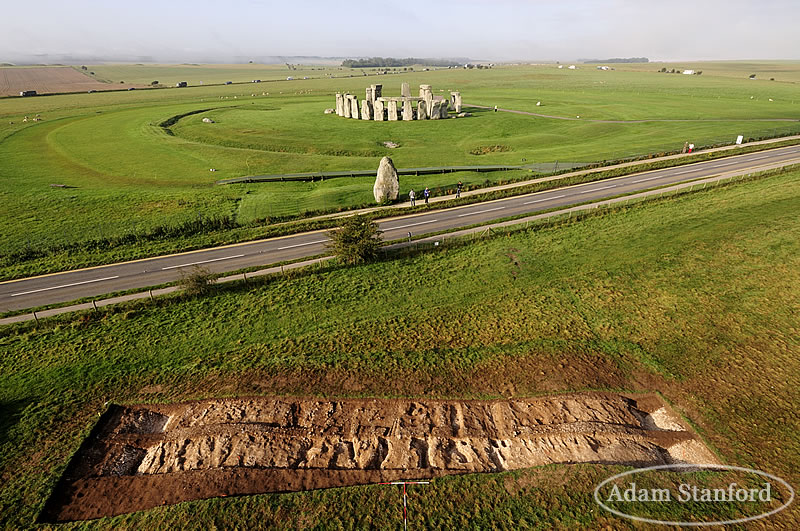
{"x": 739, "y": 140}
{"x": 405, "y": 499}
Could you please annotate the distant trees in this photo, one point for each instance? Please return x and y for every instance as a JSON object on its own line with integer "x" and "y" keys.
{"x": 619, "y": 60}
{"x": 383, "y": 62}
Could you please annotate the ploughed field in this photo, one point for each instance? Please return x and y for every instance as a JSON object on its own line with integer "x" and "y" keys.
{"x": 48, "y": 79}
{"x": 100, "y": 166}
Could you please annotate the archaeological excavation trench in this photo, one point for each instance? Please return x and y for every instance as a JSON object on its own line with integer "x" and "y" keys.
{"x": 139, "y": 457}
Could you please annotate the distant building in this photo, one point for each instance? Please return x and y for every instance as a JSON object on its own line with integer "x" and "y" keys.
{"x": 26, "y": 93}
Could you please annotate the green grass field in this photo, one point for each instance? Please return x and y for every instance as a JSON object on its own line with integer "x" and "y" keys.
{"x": 125, "y": 174}
{"x": 694, "y": 297}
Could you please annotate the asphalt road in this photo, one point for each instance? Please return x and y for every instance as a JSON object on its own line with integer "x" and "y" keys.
{"x": 96, "y": 281}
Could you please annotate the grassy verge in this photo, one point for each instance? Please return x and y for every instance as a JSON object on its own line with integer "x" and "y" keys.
{"x": 695, "y": 298}
{"x": 200, "y": 233}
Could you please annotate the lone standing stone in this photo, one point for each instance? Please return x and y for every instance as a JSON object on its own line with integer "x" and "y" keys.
{"x": 405, "y": 90}
{"x": 387, "y": 185}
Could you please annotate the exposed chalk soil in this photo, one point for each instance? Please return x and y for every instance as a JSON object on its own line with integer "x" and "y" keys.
{"x": 139, "y": 457}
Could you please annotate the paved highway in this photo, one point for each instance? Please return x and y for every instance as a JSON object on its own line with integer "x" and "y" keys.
{"x": 96, "y": 281}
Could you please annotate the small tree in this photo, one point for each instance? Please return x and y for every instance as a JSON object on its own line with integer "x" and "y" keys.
{"x": 356, "y": 240}
{"x": 197, "y": 282}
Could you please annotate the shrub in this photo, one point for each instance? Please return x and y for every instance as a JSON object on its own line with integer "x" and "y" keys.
{"x": 356, "y": 240}
{"x": 197, "y": 282}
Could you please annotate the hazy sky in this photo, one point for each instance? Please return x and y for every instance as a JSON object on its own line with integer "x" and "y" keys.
{"x": 204, "y": 30}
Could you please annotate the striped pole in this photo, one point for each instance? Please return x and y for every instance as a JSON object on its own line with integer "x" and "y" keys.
{"x": 405, "y": 497}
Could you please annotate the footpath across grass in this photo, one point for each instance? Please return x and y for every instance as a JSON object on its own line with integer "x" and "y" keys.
{"x": 695, "y": 298}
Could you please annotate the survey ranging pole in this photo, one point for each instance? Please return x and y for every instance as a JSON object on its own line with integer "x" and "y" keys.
{"x": 405, "y": 497}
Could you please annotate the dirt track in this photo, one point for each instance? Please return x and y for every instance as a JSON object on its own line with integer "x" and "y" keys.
{"x": 144, "y": 456}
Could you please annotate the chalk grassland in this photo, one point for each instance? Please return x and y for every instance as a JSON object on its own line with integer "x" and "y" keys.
{"x": 50, "y": 79}
{"x": 694, "y": 297}
{"x": 126, "y": 175}
{"x": 206, "y": 74}
{"x": 780, "y": 71}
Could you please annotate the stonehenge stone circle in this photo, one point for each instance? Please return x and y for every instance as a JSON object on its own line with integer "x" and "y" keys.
{"x": 376, "y": 107}
{"x": 387, "y": 185}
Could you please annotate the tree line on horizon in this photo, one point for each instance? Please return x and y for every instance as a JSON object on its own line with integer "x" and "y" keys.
{"x": 619, "y": 60}
{"x": 380, "y": 62}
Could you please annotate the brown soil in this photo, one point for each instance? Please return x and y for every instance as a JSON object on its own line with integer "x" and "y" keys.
{"x": 50, "y": 79}
{"x": 144, "y": 456}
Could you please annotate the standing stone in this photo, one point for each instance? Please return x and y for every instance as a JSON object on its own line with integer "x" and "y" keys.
{"x": 370, "y": 94}
{"x": 354, "y": 107}
{"x": 392, "y": 110}
{"x": 443, "y": 109}
{"x": 379, "y": 110}
{"x": 455, "y": 99}
{"x": 387, "y": 185}
{"x": 366, "y": 110}
{"x": 346, "y": 108}
{"x": 405, "y": 90}
{"x": 436, "y": 110}
{"x": 339, "y": 104}
{"x": 378, "y": 89}
{"x": 422, "y": 113}
{"x": 426, "y": 93}
{"x": 408, "y": 110}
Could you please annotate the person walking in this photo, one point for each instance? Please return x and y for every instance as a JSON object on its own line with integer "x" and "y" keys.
{"x": 412, "y": 197}
{"x": 458, "y": 189}
{"x": 495, "y": 108}
{"x": 426, "y": 194}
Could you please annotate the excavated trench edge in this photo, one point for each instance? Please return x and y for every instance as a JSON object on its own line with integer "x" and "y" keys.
{"x": 143, "y": 456}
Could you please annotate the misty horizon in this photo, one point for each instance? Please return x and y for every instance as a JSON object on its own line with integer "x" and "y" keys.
{"x": 498, "y": 31}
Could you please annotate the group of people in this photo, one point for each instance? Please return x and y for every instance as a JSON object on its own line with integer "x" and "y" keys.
{"x": 412, "y": 196}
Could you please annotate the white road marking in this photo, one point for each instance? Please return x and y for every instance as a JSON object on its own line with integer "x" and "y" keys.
{"x": 545, "y": 199}
{"x": 412, "y": 224}
{"x": 596, "y": 189}
{"x": 202, "y": 262}
{"x": 63, "y": 286}
{"x": 725, "y": 164}
{"x": 301, "y": 245}
{"x": 687, "y": 171}
{"x": 761, "y": 157}
{"x": 480, "y": 212}
{"x": 650, "y": 178}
